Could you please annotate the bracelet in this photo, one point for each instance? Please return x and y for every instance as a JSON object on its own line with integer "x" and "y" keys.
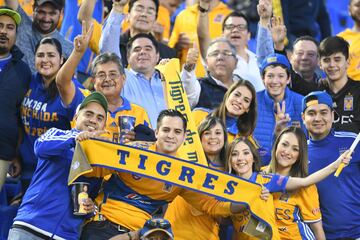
{"x": 203, "y": 10}
{"x": 129, "y": 235}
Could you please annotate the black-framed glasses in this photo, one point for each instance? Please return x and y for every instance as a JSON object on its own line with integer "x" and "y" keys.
{"x": 141, "y": 9}
{"x": 240, "y": 27}
{"x": 217, "y": 53}
{"x": 103, "y": 76}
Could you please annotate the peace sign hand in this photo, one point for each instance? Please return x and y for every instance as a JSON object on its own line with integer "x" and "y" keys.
{"x": 278, "y": 31}
{"x": 281, "y": 117}
{"x": 81, "y": 42}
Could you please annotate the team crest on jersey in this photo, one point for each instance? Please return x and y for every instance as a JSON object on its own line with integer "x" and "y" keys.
{"x": 348, "y": 103}
{"x": 284, "y": 197}
{"x": 113, "y": 124}
{"x": 167, "y": 187}
{"x": 218, "y": 18}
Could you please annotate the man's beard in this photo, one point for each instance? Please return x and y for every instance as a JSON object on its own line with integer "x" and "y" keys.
{"x": 38, "y": 27}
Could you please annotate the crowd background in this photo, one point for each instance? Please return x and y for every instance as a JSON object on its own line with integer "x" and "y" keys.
{"x": 217, "y": 47}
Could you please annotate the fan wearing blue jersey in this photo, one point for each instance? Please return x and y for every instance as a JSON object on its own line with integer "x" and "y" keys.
{"x": 339, "y": 196}
{"x": 50, "y": 102}
{"x": 46, "y": 211}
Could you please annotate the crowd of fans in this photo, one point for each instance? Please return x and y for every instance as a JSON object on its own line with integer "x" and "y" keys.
{"x": 282, "y": 113}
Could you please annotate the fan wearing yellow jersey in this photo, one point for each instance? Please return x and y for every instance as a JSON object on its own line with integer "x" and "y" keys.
{"x": 109, "y": 78}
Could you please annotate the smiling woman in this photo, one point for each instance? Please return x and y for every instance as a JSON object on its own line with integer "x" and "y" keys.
{"x": 49, "y": 102}
{"x": 237, "y": 110}
{"x": 295, "y": 197}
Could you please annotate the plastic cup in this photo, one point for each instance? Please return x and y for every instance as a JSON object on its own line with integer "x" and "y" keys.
{"x": 126, "y": 124}
{"x": 79, "y": 194}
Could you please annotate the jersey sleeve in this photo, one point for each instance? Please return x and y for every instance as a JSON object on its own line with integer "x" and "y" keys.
{"x": 95, "y": 38}
{"x": 309, "y": 204}
{"x": 174, "y": 37}
{"x": 207, "y": 204}
{"x": 274, "y": 182}
{"x": 78, "y": 98}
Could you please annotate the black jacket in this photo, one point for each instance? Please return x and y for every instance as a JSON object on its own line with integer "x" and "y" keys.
{"x": 14, "y": 81}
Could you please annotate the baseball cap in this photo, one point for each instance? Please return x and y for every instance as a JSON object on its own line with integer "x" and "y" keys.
{"x": 155, "y": 225}
{"x": 317, "y": 97}
{"x": 275, "y": 58}
{"x": 58, "y": 4}
{"x": 95, "y": 97}
{"x": 11, "y": 13}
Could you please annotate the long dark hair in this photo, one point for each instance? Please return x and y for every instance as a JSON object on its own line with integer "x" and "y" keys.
{"x": 245, "y": 123}
{"x": 51, "y": 91}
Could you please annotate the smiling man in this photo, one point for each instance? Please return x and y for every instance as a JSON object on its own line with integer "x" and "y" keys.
{"x": 334, "y": 61}
{"x": 275, "y": 71}
{"x": 46, "y": 16}
{"x": 128, "y": 200}
{"x": 141, "y": 17}
{"x": 46, "y": 210}
{"x": 235, "y": 28}
{"x": 339, "y": 197}
{"x": 109, "y": 78}
{"x": 208, "y": 92}
{"x": 143, "y": 84}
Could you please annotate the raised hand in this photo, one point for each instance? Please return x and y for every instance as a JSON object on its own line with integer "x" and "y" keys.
{"x": 278, "y": 32}
{"x": 191, "y": 58}
{"x": 118, "y": 5}
{"x": 344, "y": 158}
{"x": 184, "y": 42}
{"x": 204, "y": 4}
{"x": 282, "y": 118}
{"x": 81, "y": 41}
{"x": 264, "y": 9}
{"x": 85, "y": 135}
{"x": 158, "y": 31}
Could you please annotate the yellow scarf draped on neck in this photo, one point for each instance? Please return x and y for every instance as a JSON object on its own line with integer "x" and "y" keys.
{"x": 176, "y": 98}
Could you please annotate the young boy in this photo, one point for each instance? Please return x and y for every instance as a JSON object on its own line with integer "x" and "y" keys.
{"x": 345, "y": 92}
{"x": 278, "y": 106}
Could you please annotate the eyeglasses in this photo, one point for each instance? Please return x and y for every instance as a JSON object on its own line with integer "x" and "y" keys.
{"x": 103, "y": 76}
{"x": 142, "y": 9}
{"x": 240, "y": 27}
{"x": 224, "y": 53}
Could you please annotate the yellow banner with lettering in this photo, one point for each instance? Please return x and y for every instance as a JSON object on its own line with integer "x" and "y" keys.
{"x": 99, "y": 158}
{"x": 176, "y": 98}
